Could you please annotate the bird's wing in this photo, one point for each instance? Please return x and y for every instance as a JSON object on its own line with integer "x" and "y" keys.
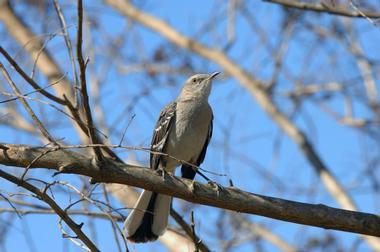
{"x": 188, "y": 171}
{"x": 202, "y": 155}
{"x": 161, "y": 133}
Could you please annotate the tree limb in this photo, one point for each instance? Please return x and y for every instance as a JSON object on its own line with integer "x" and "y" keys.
{"x": 318, "y": 215}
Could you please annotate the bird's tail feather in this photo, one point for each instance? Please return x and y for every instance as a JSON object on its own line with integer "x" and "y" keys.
{"x": 149, "y": 218}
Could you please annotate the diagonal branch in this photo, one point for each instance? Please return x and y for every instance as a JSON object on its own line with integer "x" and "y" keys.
{"x": 187, "y": 228}
{"x": 30, "y": 80}
{"x": 35, "y": 119}
{"x": 42, "y": 195}
{"x": 317, "y": 215}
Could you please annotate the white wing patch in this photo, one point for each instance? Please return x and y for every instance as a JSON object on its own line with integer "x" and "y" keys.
{"x": 161, "y": 133}
{"x": 165, "y": 122}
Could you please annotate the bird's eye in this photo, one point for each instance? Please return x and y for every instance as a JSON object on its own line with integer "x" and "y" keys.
{"x": 194, "y": 80}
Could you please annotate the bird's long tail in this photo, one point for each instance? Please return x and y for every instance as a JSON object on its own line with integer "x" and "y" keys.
{"x": 149, "y": 217}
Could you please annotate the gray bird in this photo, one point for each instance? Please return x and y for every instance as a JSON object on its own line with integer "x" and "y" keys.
{"x": 183, "y": 131}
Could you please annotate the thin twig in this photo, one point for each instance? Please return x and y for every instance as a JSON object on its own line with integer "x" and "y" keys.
{"x": 83, "y": 86}
{"x": 112, "y": 222}
{"x": 126, "y": 128}
{"x": 188, "y": 230}
{"x": 14, "y": 209}
{"x": 26, "y": 94}
{"x": 37, "y": 121}
{"x": 194, "y": 236}
{"x": 30, "y": 80}
{"x": 69, "y": 212}
{"x": 69, "y": 49}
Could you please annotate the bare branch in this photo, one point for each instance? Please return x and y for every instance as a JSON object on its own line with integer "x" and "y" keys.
{"x": 228, "y": 198}
{"x": 30, "y": 80}
{"x": 37, "y": 121}
{"x": 69, "y": 48}
{"x": 113, "y": 224}
{"x": 48, "y": 211}
{"x": 83, "y": 86}
{"x": 198, "y": 243}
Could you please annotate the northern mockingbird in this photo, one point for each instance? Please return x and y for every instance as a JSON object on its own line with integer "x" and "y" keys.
{"x": 182, "y": 131}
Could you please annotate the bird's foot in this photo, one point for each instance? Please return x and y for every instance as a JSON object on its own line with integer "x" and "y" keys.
{"x": 216, "y": 186}
{"x": 161, "y": 172}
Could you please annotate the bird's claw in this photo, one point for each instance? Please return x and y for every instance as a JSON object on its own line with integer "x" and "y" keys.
{"x": 161, "y": 172}
{"x": 218, "y": 187}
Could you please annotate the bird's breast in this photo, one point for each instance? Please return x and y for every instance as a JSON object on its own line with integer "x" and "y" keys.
{"x": 190, "y": 131}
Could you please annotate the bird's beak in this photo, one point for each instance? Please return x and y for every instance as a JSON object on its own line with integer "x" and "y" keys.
{"x": 211, "y": 76}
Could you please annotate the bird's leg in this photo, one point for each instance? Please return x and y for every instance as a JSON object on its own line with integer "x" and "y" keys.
{"x": 202, "y": 175}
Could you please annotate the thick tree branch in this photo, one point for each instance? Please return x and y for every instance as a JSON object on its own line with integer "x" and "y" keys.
{"x": 67, "y": 161}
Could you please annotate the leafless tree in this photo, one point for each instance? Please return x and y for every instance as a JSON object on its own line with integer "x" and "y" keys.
{"x": 296, "y": 132}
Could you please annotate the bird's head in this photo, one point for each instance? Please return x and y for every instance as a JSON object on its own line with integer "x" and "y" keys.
{"x": 198, "y": 86}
